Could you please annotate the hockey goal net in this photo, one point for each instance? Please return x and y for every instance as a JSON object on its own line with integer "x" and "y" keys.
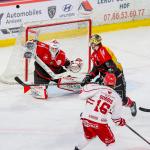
{"x": 73, "y": 36}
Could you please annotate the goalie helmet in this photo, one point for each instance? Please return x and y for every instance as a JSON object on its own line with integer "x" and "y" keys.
{"x": 95, "y": 39}
{"x": 54, "y": 47}
{"x": 109, "y": 79}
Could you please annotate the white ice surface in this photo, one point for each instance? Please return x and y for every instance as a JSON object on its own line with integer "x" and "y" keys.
{"x": 30, "y": 124}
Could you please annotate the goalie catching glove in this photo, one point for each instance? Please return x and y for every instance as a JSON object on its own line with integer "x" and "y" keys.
{"x": 76, "y": 65}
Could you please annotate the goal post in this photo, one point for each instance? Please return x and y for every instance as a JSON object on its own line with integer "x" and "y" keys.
{"x": 73, "y": 36}
{"x": 68, "y": 32}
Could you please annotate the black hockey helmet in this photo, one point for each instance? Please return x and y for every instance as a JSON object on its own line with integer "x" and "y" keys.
{"x": 95, "y": 39}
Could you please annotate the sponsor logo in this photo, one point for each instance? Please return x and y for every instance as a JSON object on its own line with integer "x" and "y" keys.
{"x": 45, "y": 57}
{"x": 85, "y": 8}
{"x": 10, "y": 30}
{"x": 58, "y": 62}
{"x": 51, "y": 11}
{"x": 1, "y": 16}
{"x": 67, "y": 7}
{"x": 18, "y": 17}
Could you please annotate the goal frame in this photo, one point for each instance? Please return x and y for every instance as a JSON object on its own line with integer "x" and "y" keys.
{"x": 30, "y": 29}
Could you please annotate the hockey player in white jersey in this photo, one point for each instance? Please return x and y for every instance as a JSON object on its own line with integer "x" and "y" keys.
{"x": 100, "y": 102}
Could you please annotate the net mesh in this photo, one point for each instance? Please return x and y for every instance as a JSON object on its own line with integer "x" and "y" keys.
{"x": 73, "y": 37}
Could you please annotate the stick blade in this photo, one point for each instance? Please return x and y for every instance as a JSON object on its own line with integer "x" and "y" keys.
{"x": 144, "y": 109}
{"x": 19, "y": 81}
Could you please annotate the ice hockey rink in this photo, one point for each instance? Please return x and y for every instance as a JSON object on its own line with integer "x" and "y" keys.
{"x": 30, "y": 124}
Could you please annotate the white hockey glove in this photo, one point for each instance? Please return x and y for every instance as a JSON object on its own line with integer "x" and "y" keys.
{"x": 29, "y": 49}
{"x": 39, "y": 92}
{"x": 75, "y": 65}
{"x": 69, "y": 84}
{"x": 119, "y": 122}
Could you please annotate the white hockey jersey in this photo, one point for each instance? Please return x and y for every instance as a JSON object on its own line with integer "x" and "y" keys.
{"x": 100, "y": 100}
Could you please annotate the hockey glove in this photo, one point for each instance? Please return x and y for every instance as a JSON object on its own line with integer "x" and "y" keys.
{"x": 75, "y": 66}
{"x": 86, "y": 80}
{"x": 119, "y": 122}
{"x": 100, "y": 80}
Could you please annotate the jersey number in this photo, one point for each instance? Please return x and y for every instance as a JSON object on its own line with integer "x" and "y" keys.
{"x": 102, "y": 107}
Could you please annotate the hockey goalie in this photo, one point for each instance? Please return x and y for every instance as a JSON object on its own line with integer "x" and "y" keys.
{"x": 51, "y": 63}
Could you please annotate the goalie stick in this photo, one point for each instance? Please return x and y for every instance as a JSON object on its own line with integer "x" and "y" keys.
{"x": 26, "y": 84}
{"x": 144, "y": 109}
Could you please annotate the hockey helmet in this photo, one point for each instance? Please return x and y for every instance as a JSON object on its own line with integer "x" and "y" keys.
{"x": 95, "y": 39}
{"x": 54, "y": 46}
{"x": 109, "y": 79}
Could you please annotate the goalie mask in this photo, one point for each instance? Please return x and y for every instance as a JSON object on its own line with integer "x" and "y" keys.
{"x": 54, "y": 47}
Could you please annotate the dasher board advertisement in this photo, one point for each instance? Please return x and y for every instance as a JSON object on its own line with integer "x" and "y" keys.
{"x": 114, "y": 11}
{"x": 12, "y": 17}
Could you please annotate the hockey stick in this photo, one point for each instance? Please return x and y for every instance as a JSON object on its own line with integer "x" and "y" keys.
{"x": 144, "y": 109}
{"x": 51, "y": 84}
{"x": 137, "y": 134}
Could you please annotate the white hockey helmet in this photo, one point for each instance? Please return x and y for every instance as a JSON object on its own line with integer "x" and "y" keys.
{"x": 54, "y": 46}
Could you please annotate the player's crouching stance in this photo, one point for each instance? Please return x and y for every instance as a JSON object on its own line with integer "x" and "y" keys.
{"x": 104, "y": 60}
{"x": 100, "y": 101}
{"x": 50, "y": 63}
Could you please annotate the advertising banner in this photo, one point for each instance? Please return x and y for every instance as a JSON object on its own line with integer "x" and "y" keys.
{"x": 113, "y": 11}
{"x": 11, "y": 18}
{"x": 100, "y": 11}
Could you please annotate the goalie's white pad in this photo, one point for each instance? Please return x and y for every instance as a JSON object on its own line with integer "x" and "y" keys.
{"x": 76, "y": 65}
{"x": 69, "y": 83}
{"x": 30, "y": 47}
{"x": 39, "y": 92}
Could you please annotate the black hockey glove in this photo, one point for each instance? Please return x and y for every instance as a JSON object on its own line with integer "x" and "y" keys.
{"x": 86, "y": 80}
{"x": 100, "y": 80}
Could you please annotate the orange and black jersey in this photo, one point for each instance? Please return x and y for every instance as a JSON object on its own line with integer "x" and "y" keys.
{"x": 103, "y": 61}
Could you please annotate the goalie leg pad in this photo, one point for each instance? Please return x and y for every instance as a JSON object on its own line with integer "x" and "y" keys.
{"x": 39, "y": 92}
{"x": 69, "y": 84}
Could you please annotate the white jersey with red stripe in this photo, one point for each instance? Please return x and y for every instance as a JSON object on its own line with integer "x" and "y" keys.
{"x": 100, "y": 100}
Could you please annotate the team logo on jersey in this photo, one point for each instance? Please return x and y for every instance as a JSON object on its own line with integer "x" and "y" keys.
{"x": 1, "y": 16}
{"x": 58, "y": 62}
{"x": 45, "y": 57}
{"x": 51, "y": 11}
